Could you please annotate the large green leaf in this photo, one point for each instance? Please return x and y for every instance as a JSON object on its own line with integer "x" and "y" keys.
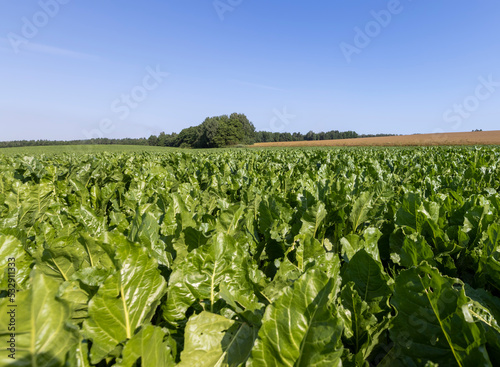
{"x": 178, "y": 216}
{"x": 77, "y": 298}
{"x": 361, "y": 328}
{"x": 300, "y": 328}
{"x": 99, "y": 261}
{"x": 407, "y": 214}
{"x": 148, "y": 346}
{"x": 308, "y": 249}
{"x": 352, "y": 243}
{"x": 274, "y": 217}
{"x": 61, "y": 258}
{"x": 370, "y": 281}
{"x": 12, "y": 249}
{"x": 229, "y": 219}
{"x": 360, "y": 210}
{"x": 69, "y": 258}
{"x": 78, "y": 356}
{"x": 486, "y": 308}
{"x": 86, "y": 216}
{"x": 40, "y": 323}
{"x": 409, "y": 248}
{"x": 433, "y": 321}
{"x": 490, "y": 259}
{"x": 312, "y": 219}
{"x": 285, "y": 276}
{"x": 194, "y": 238}
{"x": 40, "y": 198}
{"x": 213, "y": 340}
{"x": 145, "y": 230}
{"x": 199, "y": 278}
{"x": 125, "y": 300}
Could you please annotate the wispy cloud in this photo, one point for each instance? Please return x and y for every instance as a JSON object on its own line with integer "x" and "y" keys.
{"x": 46, "y": 50}
{"x": 5, "y": 46}
{"x": 256, "y": 85}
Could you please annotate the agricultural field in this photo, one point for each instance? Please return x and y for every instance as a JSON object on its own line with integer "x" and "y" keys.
{"x": 438, "y": 139}
{"x": 83, "y": 149}
{"x": 250, "y": 257}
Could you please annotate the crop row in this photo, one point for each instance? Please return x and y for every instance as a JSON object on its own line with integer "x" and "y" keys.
{"x": 305, "y": 257}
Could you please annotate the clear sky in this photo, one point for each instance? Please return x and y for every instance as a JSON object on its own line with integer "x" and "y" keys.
{"x": 72, "y": 69}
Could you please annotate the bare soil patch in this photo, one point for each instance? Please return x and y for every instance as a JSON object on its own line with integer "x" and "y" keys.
{"x": 468, "y": 138}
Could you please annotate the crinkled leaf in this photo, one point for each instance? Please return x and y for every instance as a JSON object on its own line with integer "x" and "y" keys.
{"x": 12, "y": 248}
{"x": 79, "y": 355}
{"x": 361, "y": 328}
{"x": 352, "y": 243}
{"x": 230, "y": 218}
{"x": 77, "y": 298}
{"x": 490, "y": 259}
{"x": 370, "y": 281}
{"x": 61, "y": 258}
{"x": 147, "y": 345}
{"x": 85, "y": 259}
{"x": 312, "y": 219}
{"x": 308, "y": 249}
{"x": 199, "y": 276}
{"x": 360, "y": 210}
{"x": 433, "y": 321}
{"x": 43, "y": 333}
{"x": 125, "y": 300}
{"x": 300, "y": 328}
{"x": 39, "y": 199}
{"x": 486, "y": 308}
{"x": 285, "y": 276}
{"x": 407, "y": 213}
{"x": 145, "y": 230}
{"x": 410, "y": 249}
{"x": 213, "y": 340}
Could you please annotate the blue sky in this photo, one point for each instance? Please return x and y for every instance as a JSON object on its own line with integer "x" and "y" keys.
{"x": 73, "y": 69}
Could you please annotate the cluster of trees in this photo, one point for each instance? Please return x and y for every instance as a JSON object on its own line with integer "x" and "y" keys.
{"x": 214, "y": 132}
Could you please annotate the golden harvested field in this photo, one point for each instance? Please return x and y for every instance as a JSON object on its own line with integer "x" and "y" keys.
{"x": 468, "y": 138}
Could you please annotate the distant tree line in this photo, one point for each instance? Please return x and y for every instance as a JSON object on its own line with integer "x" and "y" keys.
{"x": 214, "y": 132}
{"x": 222, "y": 131}
{"x": 95, "y": 141}
{"x": 265, "y": 136}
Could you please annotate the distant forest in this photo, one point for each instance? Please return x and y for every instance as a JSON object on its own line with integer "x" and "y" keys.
{"x": 214, "y": 132}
